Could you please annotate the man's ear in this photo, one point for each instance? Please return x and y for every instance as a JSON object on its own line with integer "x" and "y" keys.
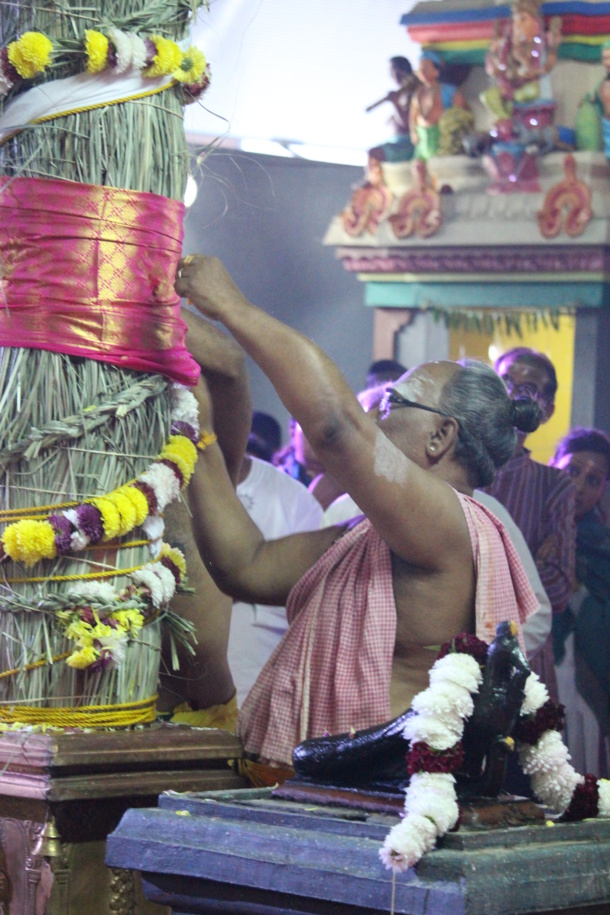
{"x": 443, "y": 437}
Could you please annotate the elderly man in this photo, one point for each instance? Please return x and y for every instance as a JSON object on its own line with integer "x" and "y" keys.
{"x": 539, "y": 498}
{"x": 369, "y": 606}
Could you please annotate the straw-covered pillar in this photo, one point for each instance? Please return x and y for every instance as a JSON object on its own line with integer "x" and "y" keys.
{"x": 98, "y": 429}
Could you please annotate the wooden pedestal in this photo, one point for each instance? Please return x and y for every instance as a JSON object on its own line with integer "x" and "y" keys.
{"x": 62, "y": 793}
{"x": 247, "y": 853}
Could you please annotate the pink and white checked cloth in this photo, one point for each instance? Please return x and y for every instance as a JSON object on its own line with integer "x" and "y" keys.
{"x": 332, "y": 669}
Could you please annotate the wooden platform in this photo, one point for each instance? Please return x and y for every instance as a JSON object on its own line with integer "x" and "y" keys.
{"x": 248, "y": 853}
{"x": 62, "y": 793}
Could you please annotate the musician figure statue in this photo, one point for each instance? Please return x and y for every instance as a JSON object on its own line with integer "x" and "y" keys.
{"x": 400, "y": 147}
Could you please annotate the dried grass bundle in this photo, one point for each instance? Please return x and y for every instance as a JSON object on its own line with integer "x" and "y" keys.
{"x": 70, "y": 427}
{"x": 78, "y": 453}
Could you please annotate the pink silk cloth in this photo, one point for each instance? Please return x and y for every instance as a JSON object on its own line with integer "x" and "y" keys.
{"x": 89, "y": 271}
{"x": 332, "y": 669}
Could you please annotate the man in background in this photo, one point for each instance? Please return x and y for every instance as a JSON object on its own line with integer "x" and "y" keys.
{"x": 539, "y": 498}
{"x": 278, "y": 505}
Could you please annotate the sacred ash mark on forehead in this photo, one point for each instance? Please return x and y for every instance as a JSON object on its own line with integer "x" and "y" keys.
{"x": 424, "y": 383}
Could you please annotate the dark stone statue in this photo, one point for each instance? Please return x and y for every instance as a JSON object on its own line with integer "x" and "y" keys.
{"x": 374, "y": 759}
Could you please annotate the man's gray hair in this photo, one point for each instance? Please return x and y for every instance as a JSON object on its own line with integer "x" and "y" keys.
{"x": 477, "y": 398}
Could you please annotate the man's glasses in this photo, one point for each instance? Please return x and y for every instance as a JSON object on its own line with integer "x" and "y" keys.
{"x": 392, "y": 397}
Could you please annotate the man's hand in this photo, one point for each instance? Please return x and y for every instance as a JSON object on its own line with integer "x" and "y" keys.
{"x": 205, "y": 282}
{"x": 224, "y": 368}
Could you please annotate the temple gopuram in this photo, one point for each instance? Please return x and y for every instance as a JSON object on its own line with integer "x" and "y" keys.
{"x": 499, "y": 236}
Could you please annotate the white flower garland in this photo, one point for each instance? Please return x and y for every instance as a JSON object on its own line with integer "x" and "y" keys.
{"x": 431, "y": 807}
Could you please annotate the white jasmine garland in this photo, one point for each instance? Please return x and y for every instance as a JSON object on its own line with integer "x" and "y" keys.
{"x": 555, "y": 789}
{"x": 168, "y": 582}
{"x": 547, "y": 755}
{"x": 163, "y": 482}
{"x": 445, "y": 698}
{"x": 138, "y": 51}
{"x": 123, "y": 49}
{"x": 461, "y": 669}
{"x": 432, "y": 794}
{"x": 154, "y": 527}
{"x": 407, "y": 842}
{"x": 146, "y": 576}
{"x": 603, "y": 786}
{"x": 428, "y": 729}
{"x": 431, "y": 807}
{"x": 536, "y": 695}
{"x": 116, "y": 645}
{"x": 184, "y": 405}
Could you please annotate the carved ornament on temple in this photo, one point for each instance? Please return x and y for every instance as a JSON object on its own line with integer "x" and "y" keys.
{"x": 419, "y": 210}
{"x": 370, "y": 203}
{"x": 566, "y": 206}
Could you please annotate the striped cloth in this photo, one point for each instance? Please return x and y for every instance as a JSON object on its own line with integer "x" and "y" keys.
{"x": 332, "y": 669}
{"x": 541, "y": 502}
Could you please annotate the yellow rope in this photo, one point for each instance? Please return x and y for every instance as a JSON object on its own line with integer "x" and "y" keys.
{"x": 119, "y": 545}
{"x": 87, "y": 716}
{"x": 110, "y": 573}
{"x": 15, "y": 512}
{"x": 63, "y": 114}
{"x": 8, "y": 514}
{"x": 41, "y": 663}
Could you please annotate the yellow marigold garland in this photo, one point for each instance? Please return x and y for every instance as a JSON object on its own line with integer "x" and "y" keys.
{"x": 30, "y": 54}
{"x": 138, "y": 500}
{"x": 28, "y": 541}
{"x": 111, "y": 519}
{"x": 192, "y": 66}
{"x": 167, "y": 59}
{"x": 183, "y": 453}
{"x": 96, "y": 51}
{"x": 176, "y": 556}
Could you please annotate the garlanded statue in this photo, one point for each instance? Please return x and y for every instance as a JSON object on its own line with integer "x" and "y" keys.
{"x": 452, "y": 746}
{"x": 520, "y": 100}
{"x": 519, "y": 62}
{"x": 375, "y": 758}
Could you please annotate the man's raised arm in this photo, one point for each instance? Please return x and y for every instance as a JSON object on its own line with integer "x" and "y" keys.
{"x": 239, "y": 559}
{"x": 223, "y": 364}
{"x": 378, "y": 475}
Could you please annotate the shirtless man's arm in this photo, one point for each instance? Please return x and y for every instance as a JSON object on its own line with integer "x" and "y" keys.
{"x": 204, "y": 678}
{"x": 411, "y": 508}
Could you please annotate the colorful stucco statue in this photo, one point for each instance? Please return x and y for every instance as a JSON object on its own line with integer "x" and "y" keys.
{"x": 519, "y": 62}
{"x": 399, "y": 148}
{"x": 431, "y": 101}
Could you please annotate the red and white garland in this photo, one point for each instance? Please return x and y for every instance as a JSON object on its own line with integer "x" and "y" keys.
{"x": 435, "y": 753}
